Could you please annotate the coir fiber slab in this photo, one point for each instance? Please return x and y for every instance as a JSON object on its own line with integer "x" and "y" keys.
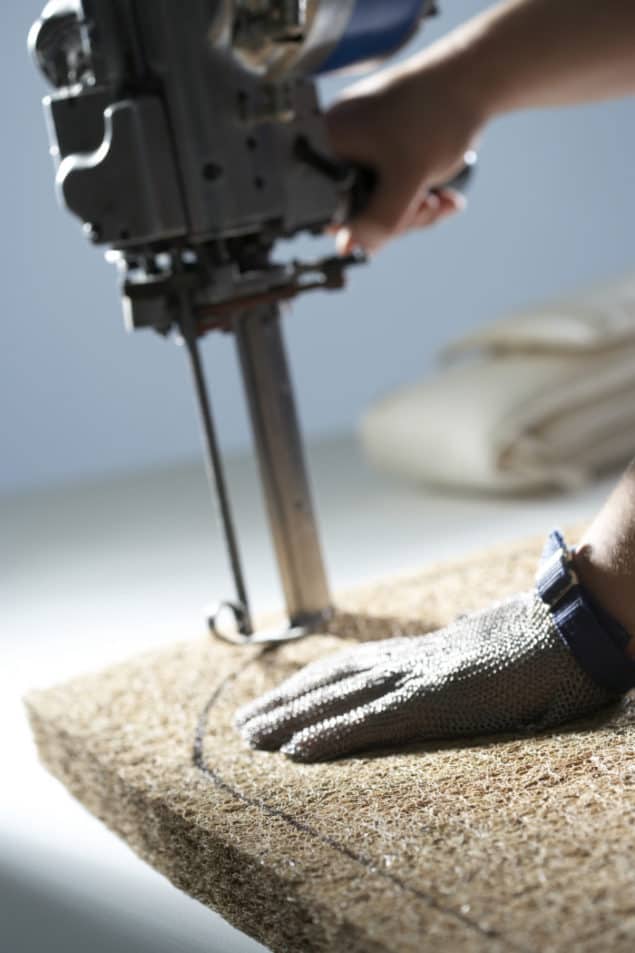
{"x": 495, "y": 845}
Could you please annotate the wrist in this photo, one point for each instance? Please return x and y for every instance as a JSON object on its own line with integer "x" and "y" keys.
{"x": 481, "y": 82}
{"x": 612, "y": 590}
{"x": 454, "y": 68}
{"x": 485, "y": 62}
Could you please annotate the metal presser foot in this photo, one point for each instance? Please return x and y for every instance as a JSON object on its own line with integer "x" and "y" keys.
{"x": 227, "y": 622}
{"x": 284, "y": 478}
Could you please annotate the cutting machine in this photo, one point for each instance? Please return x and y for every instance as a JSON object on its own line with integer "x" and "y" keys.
{"x": 189, "y": 140}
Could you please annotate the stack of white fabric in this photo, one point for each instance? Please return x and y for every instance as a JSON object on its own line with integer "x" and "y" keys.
{"x": 542, "y": 398}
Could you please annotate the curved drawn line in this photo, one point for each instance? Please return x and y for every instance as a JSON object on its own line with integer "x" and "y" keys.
{"x": 198, "y": 759}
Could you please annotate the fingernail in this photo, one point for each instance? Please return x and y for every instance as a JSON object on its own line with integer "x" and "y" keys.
{"x": 460, "y": 202}
{"x": 343, "y": 241}
{"x": 455, "y": 198}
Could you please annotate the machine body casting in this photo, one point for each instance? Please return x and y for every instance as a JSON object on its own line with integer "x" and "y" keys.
{"x": 188, "y": 138}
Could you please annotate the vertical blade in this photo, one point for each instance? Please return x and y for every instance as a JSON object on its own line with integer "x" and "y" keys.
{"x": 282, "y": 465}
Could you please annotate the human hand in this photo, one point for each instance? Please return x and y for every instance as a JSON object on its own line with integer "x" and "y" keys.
{"x": 412, "y": 125}
{"x": 501, "y": 669}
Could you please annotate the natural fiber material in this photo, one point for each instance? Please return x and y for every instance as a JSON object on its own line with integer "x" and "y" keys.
{"x": 512, "y": 844}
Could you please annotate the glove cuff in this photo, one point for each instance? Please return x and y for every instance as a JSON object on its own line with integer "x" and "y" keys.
{"x": 594, "y": 638}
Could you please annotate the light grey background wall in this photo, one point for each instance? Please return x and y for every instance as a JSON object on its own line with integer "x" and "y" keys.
{"x": 554, "y": 207}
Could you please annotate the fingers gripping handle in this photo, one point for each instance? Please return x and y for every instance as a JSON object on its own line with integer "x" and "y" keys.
{"x": 366, "y": 181}
{"x": 463, "y": 179}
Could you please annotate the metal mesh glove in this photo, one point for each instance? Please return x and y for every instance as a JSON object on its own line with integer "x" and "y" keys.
{"x": 500, "y": 669}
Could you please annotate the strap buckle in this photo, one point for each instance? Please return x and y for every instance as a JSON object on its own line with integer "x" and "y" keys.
{"x": 557, "y": 577}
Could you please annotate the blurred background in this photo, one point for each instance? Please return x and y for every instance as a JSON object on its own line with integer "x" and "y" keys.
{"x": 106, "y": 544}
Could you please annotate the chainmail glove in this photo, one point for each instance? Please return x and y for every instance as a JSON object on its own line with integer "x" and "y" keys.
{"x": 502, "y": 669}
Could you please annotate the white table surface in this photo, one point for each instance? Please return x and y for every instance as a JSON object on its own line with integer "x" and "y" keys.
{"x": 96, "y": 572}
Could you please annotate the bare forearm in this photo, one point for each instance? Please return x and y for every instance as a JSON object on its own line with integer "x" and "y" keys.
{"x": 532, "y": 53}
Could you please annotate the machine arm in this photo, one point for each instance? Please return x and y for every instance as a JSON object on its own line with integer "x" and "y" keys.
{"x": 189, "y": 140}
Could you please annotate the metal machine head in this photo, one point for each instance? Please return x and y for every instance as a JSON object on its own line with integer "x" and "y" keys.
{"x": 188, "y": 139}
{"x": 195, "y": 129}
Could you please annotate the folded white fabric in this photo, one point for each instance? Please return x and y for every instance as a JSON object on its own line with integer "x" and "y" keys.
{"x": 542, "y": 398}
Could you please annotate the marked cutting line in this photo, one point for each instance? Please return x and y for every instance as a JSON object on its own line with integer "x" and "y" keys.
{"x": 198, "y": 759}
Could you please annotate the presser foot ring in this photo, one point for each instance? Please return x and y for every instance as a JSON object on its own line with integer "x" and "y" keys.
{"x": 230, "y": 622}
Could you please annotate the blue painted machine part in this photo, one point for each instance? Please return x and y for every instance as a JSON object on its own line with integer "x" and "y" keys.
{"x": 376, "y": 29}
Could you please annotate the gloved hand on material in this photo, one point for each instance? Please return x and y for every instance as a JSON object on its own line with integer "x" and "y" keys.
{"x": 542, "y": 399}
{"x": 525, "y": 663}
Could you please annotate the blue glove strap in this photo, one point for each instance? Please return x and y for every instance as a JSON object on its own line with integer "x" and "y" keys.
{"x": 599, "y": 647}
